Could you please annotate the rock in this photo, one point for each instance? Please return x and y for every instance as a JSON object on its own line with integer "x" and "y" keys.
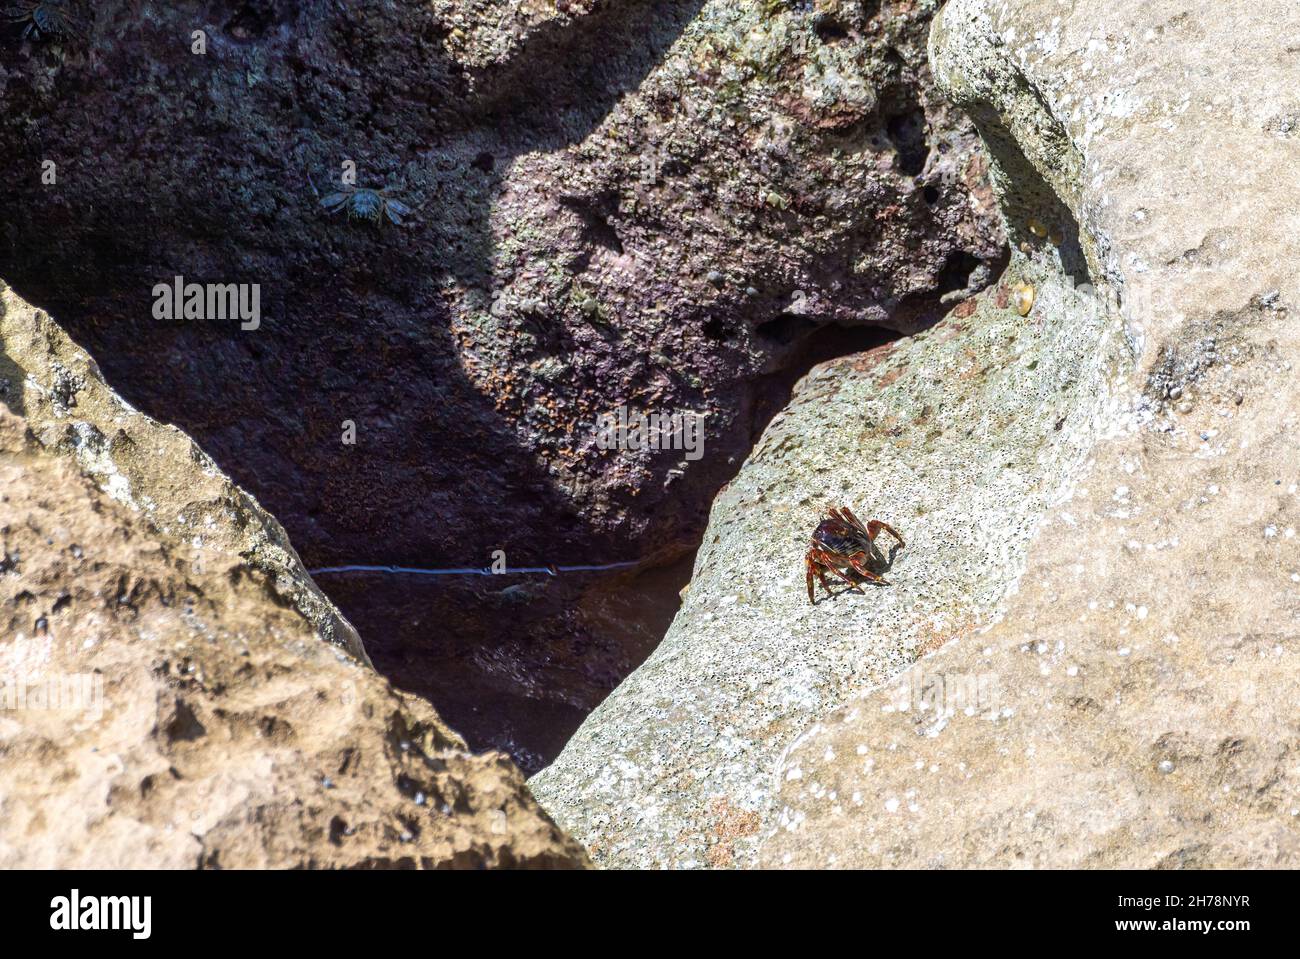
{"x": 148, "y": 466}
{"x": 578, "y": 172}
{"x": 1088, "y": 653}
{"x": 960, "y": 438}
{"x": 174, "y": 691}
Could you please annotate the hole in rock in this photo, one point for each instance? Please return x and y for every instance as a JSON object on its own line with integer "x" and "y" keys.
{"x": 907, "y": 132}
{"x": 956, "y": 273}
{"x": 718, "y": 329}
{"x": 785, "y": 328}
{"x": 829, "y": 30}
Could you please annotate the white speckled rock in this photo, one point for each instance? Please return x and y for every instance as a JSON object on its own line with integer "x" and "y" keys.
{"x": 1099, "y": 503}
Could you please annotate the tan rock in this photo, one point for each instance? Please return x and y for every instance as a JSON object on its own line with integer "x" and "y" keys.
{"x": 146, "y": 465}
{"x": 166, "y": 696}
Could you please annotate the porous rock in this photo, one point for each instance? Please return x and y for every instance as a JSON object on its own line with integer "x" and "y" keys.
{"x": 614, "y": 202}
{"x": 174, "y": 691}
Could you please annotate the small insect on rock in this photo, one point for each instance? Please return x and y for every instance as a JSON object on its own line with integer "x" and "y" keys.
{"x": 841, "y": 540}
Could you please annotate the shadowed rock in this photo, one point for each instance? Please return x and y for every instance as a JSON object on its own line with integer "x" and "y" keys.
{"x": 174, "y": 692}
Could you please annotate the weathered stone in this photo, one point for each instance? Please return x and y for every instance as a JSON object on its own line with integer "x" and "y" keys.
{"x": 147, "y": 466}
{"x": 168, "y": 696}
{"x": 960, "y": 438}
{"x": 1100, "y": 590}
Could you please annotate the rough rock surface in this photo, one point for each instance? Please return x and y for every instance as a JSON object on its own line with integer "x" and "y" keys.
{"x": 655, "y": 204}
{"x": 148, "y": 466}
{"x": 167, "y": 696}
{"x": 1114, "y": 685}
{"x": 676, "y": 767}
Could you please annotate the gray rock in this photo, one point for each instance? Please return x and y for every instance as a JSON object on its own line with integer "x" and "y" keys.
{"x": 959, "y": 437}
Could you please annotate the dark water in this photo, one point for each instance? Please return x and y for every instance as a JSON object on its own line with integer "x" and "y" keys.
{"x": 515, "y": 661}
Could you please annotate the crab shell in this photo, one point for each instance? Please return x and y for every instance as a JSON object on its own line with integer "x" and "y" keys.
{"x": 366, "y": 204}
{"x": 841, "y": 539}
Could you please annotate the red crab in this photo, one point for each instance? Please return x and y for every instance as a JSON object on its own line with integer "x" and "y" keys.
{"x": 841, "y": 540}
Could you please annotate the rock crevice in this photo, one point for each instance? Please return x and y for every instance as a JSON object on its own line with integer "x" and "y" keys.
{"x": 175, "y": 692}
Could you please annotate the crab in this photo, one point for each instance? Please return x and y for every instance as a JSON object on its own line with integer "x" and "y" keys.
{"x": 365, "y": 203}
{"x": 45, "y": 19}
{"x": 842, "y": 540}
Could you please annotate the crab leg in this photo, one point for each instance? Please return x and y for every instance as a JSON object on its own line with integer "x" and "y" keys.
{"x": 828, "y": 561}
{"x": 875, "y": 526}
{"x": 842, "y": 515}
{"x": 819, "y": 561}
{"x": 821, "y": 573}
{"x": 846, "y": 516}
{"x": 856, "y": 563}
